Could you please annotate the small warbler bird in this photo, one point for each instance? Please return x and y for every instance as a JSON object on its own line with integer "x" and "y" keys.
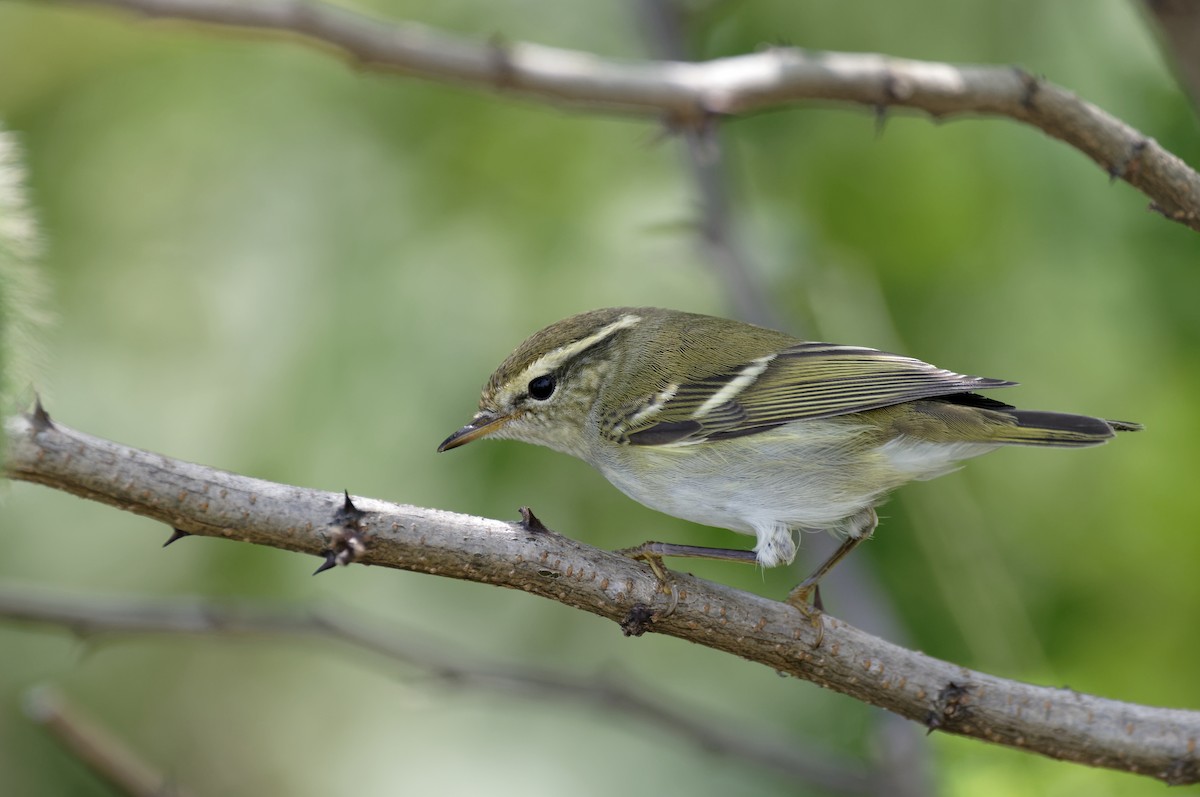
{"x": 732, "y": 425}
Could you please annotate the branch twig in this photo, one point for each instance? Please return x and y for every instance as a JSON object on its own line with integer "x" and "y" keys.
{"x": 1059, "y": 723}
{"x": 706, "y": 160}
{"x": 96, "y": 746}
{"x": 1178, "y": 27}
{"x": 91, "y": 618}
{"x": 692, "y": 94}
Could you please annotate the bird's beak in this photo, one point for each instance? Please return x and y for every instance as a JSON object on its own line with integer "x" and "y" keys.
{"x": 483, "y": 424}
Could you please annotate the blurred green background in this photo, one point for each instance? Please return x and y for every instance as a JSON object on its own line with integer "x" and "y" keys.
{"x": 268, "y": 261}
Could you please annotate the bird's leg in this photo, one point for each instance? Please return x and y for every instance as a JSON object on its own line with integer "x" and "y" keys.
{"x": 809, "y": 587}
{"x": 657, "y": 550}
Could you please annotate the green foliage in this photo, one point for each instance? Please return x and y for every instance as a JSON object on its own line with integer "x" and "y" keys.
{"x": 269, "y": 262}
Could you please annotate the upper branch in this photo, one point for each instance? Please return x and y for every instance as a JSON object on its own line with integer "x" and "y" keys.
{"x": 690, "y": 93}
{"x": 1059, "y": 723}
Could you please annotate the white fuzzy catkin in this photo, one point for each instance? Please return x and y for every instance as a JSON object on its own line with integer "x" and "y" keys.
{"x": 23, "y": 294}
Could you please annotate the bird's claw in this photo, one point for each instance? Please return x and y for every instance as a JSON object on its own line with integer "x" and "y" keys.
{"x": 666, "y": 583}
{"x": 807, "y": 598}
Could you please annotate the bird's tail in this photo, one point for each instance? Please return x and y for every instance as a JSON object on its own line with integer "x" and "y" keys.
{"x": 1036, "y": 428}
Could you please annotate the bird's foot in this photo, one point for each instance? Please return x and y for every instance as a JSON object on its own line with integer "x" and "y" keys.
{"x": 666, "y": 582}
{"x": 807, "y": 598}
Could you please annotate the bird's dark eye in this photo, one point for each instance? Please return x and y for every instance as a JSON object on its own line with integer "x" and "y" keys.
{"x": 541, "y": 387}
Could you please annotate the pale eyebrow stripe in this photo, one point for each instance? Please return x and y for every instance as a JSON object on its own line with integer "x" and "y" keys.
{"x": 550, "y": 361}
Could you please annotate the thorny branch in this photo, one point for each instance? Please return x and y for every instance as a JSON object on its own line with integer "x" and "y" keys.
{"x": 689, "y": 96}
{"x": 1059, "y": 723}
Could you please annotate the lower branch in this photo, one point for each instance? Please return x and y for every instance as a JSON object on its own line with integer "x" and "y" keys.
{"x": 1058, "y": 723}
{"x": 96, "y": 619}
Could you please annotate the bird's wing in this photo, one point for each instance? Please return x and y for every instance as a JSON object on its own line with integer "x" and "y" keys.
{"x": 800, "y": 382}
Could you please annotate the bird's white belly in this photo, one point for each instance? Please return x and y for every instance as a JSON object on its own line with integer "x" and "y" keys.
{"x": 775, "y": 484}
{"x": 789, "y": 488}
{"x": 798, "y": 497}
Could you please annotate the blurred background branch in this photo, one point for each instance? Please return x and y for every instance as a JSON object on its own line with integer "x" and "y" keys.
{"x": 96, "y": 746}
{"x": 95, "y": 619}
{"x": 706, "y": 160}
